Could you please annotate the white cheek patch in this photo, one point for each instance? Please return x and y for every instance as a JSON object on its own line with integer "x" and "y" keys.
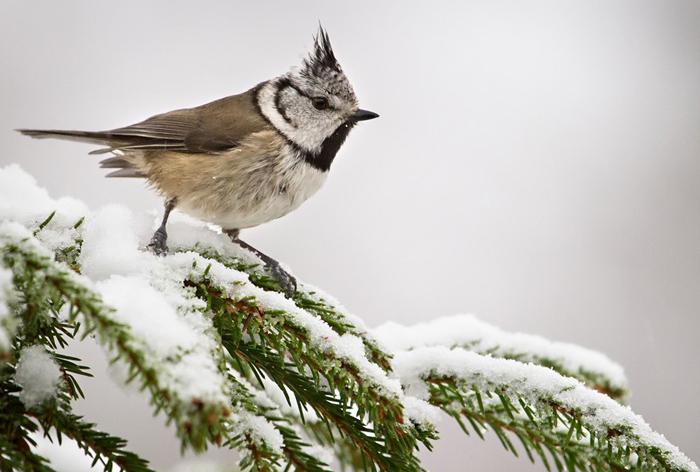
{"x": 266, "y": 100}
{"x": 306, "y": 129}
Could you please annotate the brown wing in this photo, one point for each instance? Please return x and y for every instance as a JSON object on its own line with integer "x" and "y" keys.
{"x": 209, "y": 128}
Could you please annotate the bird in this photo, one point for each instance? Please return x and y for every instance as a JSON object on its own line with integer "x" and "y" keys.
{"x": 243, "y": 160}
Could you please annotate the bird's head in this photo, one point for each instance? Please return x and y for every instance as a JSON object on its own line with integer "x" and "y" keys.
{"x": 314, "y": 105}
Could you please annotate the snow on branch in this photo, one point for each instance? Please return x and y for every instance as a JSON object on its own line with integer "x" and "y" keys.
{"x": 189, "y": 236}
{"x": 261, "y": 327}
{"x": 591, "y": 367}
{"x": 299, "y": 449}
{"x": 289, "y": 383}
{"x": 38, "y": 375}
{"x": 582, "y": 426}
{"x": 126, "y": 341}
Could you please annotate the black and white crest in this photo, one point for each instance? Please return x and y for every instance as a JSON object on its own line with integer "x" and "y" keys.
{"x": 322, "y": 67}
{"x": 322, "y": 56}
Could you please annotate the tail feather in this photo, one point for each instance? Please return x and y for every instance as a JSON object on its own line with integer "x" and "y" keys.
{"x": 122, "y": 139}
{"x": 98, "y": 137}
{"x": 116, "y": 162}
{"x": 123, "y": 166}
{"x": 97, "y": 152}
{"x": 126, "y": 173}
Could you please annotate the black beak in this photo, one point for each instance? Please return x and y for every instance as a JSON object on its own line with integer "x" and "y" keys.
{"x": 363, "y": 115}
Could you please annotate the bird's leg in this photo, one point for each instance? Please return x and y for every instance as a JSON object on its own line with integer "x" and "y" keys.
{"x": 288, "y": 282}
{"x": 160, "y": 237}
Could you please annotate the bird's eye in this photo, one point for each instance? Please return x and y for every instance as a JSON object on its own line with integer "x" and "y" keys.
{"x": 320, "y": 103}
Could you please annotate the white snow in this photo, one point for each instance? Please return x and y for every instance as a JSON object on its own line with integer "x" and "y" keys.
{"x": 534, "y": 383}
{"x": 24, "y": 202}
{"x": 166, "y": 323}
{"x": 347, "y": 346}
{"x": 147, "y": 313}
{"x": 166, "y": 320}
{"x": 260, "y": 431}
{"x": 176, "y": 343}
{"x": 470, "y": 333}
{"x": 236, "y": 285}
{"x": 185, "y": 233}
{"x": 421, "y": 412}
{"x": 111, "y": 246}
{"x": 273, "y": 401}
{"x": 14, "y": 233}
{"x": 38, "y": 375}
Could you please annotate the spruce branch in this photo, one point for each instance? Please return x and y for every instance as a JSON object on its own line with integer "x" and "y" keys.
{"x": 329, "y": 310}
{"x": 306, "y": 297}
{"x": 39, "y": 307}
{"x": 15, "y": 429}
{"x": 196, "y": 423}
{"x": 87, "y": 304}
{"x": 328, "y": 407}
{"x": 18, "y": 455}
{"x": 465, "y": 331}
{"x": 296, "y": 451}
{"x": 20, "y": 422}
{"x": 272, "y": 326}
{"x": 580, "y": 428}
{"x": 264, "y": 360}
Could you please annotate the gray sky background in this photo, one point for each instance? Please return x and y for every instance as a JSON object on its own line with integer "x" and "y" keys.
{"x": 536, "y": 163}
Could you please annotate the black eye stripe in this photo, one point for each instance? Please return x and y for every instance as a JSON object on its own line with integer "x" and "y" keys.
{"x": 284, "y": 83}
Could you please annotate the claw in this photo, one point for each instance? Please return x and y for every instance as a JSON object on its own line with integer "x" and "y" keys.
{"x": 158, "y": 243}
{"x": 288, "y": 282}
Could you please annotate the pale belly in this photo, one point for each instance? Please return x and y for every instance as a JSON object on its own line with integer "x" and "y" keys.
{"x": 244, "y": 204}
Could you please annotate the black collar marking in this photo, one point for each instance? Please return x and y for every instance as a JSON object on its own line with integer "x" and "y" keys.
{"x": 330, "y": 146}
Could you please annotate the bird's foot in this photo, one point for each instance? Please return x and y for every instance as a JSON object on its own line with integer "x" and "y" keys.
{"x": 287, "y": 282}
{"x": 158, "y": 244}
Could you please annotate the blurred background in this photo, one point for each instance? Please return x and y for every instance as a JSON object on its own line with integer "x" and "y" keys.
{"x": 536, "y": 163}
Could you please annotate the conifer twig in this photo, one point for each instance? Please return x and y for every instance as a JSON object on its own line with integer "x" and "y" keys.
{"x": 582, "y": 429}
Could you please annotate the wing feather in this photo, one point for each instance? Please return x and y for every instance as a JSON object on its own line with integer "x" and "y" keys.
{"x": 211, "y": 128}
